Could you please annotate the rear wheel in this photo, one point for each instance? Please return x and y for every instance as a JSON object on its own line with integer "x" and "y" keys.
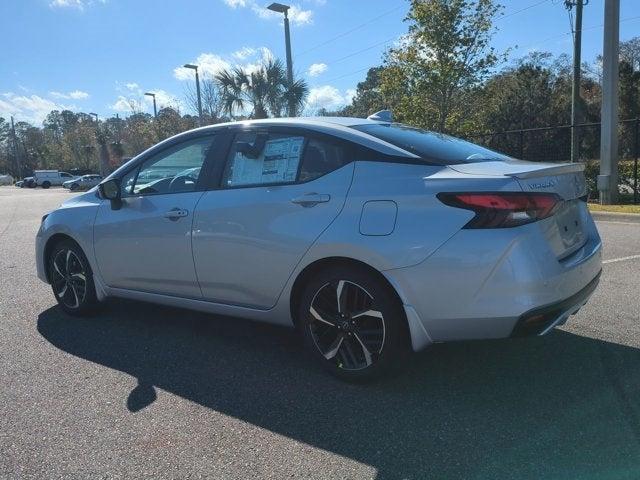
{"x": 46, "y": 184}
{"x": 353, "y": 323}
{"x": 72, "y": 279}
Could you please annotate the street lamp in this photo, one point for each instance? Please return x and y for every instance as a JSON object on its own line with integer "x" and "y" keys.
{"x": 195, "y": 67}
{"x": 95, "y": 115}
{"x": 153, "y": 95}
{"x": 280, "y": 8}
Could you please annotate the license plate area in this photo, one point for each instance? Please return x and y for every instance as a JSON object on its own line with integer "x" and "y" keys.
{"x": 570, "y": 228}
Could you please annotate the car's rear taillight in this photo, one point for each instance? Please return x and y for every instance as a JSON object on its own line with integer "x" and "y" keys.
{"x": 503, "y": 209}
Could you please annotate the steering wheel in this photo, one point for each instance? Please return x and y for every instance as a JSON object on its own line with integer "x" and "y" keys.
{"x": 179, "y": 183}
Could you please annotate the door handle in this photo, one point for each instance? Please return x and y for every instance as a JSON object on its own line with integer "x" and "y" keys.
{"x": 311, "y": 199}
{"x": 176, "y": 213}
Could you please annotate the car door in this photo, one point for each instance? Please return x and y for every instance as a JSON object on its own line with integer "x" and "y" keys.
{"x": 279, "y": 190}
{"x": 145, "y": 244}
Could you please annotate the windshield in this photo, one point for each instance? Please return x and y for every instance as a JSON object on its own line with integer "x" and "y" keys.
{"x": 432, "y": 147}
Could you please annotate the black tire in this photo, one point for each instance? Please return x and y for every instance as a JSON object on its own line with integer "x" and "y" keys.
{"x": 372, "y": 344}
{"x": 71, "y": 279}
{"x": 73, "y": 187}
{"x": 46, "y": 184}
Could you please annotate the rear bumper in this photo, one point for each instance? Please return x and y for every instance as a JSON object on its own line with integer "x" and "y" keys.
{"x": 541, "y": 320}
{"x": 481, "y": 283}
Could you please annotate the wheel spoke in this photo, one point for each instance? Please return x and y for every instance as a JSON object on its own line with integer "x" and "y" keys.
{"x": 75, "y": 295}
{"x": 368, "y": 313}
{"x": 67, "y": 262}
{"x": 335, "y": 346}
{"x": 339, "y": 290}
{"x": 57, "y": 268}
{"x": 318, "y": 317}
{"x": 79, "y": 278}
{"x": 365, "y": 350}
{"x": 62, "y": 292}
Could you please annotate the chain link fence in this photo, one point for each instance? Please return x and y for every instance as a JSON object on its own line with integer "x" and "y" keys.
{"x": 553, "y": 144}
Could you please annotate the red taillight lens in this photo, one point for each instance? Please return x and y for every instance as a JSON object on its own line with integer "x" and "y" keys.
{"x": 503, "y": 209}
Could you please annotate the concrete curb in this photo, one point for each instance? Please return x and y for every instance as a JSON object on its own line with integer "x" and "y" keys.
{"x": 616, "y": 217}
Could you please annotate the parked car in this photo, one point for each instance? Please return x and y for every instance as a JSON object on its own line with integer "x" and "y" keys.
{"x": 84, "y": 182}
{"x": 26, "y": 182}
{"x": 48, "y": 178}
{"x": 372, "y": 237}
{"x": 6, "y": 180}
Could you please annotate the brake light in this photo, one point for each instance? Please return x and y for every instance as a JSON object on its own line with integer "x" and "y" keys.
{"x": 503, "y": 209}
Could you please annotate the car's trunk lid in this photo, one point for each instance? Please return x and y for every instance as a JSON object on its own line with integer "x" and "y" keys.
{"x": 565, "y": 231}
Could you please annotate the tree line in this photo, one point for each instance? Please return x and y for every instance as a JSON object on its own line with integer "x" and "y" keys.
{"x": 443, "y": 75}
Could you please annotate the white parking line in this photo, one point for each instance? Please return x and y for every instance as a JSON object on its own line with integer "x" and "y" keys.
{"x": 617, "y": 222}
{"x": 621, "y": 259}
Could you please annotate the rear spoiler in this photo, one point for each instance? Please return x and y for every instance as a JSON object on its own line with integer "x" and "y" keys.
{"x": 543, "y": 172}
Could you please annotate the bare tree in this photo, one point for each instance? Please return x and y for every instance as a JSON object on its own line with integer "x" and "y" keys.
{"x": 212, "y": 104}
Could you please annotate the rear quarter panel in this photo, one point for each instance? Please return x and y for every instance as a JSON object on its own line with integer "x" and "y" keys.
{"x": 423, "y": 223}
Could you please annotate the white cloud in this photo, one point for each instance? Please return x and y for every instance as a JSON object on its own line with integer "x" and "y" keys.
{"x": 243, "y": 53}
{"x": 327, "y": 96}
{"x": 132, "y": 86}
{"x": 138, "y": 102}
{"x": 31, "y": 108}
{"x": 164, "y": 99}
{"x": 128, "y": 105}
{"x": 77, "y": 4}
{"x": 75, "y": 94}
{"x": 350, "y": 94}
{"x": 317, "y": 69}
{"x": 210, "y": 64}
{"x": 78, "y": 94}
{"x": 297, "y": 15}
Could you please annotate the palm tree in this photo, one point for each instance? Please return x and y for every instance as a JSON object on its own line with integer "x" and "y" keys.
{"x": 262, "y": 92}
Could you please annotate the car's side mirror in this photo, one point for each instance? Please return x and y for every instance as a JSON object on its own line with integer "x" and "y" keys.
{"x": 111, "y": 191}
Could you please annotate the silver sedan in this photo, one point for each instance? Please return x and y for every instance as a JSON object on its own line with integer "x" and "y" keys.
{"x": 372, "y": 238}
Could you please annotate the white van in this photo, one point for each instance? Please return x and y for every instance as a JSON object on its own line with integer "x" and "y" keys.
{"x": 47, "y": 178}
{"x": 6, "y": 180}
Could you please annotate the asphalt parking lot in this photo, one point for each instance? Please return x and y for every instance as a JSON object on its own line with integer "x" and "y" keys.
{"x": 141, "y": 391}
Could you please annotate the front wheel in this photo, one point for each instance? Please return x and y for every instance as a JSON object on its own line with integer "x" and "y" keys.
{"x": 72, "y": 279}
{"x": 353, "y": 323}
{"x": 73, "y": 187}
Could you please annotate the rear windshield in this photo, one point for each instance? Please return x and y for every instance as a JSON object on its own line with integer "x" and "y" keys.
{"x": 433, "y": 147}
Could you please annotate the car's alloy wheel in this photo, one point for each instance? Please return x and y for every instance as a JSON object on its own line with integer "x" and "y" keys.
{"x": 74, "y": 186}
{"x": 71, "y": 278}
{"x": 346, "y": 327}
{"x": 353, "y": 322}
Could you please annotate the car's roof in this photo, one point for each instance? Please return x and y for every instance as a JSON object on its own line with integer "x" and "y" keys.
{"x": 304, "y": 121}
{"x": 337, "y": 126}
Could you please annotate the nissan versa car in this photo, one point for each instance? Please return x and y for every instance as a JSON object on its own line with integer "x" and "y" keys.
{"x": 372, "y": 237}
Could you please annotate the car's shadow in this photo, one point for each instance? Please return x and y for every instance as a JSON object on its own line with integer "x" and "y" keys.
{"x": 561, "y": 406}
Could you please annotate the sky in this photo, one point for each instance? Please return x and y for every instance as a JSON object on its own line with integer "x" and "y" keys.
{"x": 102, "y": 55}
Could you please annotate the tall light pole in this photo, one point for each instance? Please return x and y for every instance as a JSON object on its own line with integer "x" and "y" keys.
{"x": 608, "y": 178}
{"x": 153, "y": 95}
{"x": 195, "y": 67}
{"x": 576, "y": 106}
{"x": 94, "y": 115}
{"x": 280, "y": 8}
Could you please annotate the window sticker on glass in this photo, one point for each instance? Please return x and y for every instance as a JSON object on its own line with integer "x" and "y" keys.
{"x": 276, "y": 163}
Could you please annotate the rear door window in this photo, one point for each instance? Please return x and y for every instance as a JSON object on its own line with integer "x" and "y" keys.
{"x": 268, "y": 158}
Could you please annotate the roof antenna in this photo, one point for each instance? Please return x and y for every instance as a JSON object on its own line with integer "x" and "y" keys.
{"x": 382, "y": 116}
